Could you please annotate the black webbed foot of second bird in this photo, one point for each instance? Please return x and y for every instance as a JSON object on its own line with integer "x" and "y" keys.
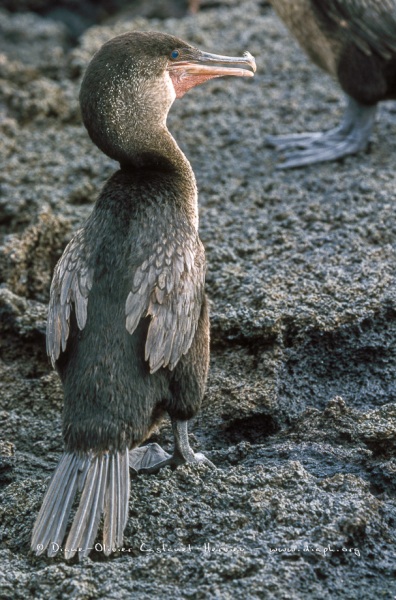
{"x": 182, "y": 454}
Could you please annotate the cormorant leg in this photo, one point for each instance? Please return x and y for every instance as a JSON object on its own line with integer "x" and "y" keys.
{"x": 183, "y": 453}
{"x": 350, "y": 137}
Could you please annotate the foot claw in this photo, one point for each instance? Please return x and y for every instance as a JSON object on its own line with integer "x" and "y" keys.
{"x": 201, "y": 458}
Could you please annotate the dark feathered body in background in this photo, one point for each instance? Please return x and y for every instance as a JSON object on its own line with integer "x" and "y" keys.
{"x": 354, "y": 41}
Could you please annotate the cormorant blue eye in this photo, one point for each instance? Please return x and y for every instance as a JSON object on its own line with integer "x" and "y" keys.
{"x": 175, "y": 54}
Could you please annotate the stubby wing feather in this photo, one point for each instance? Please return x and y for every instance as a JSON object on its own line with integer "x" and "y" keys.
{"x": 71, "y": 284}
{"x": 168, "y": 287}
{"x": 371, "y": 24}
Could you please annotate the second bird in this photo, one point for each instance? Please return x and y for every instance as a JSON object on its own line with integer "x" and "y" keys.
{"x": 354, "y": 41}
{"x": 128, "y": 327}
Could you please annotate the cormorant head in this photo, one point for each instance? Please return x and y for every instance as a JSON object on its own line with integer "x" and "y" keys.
{"x": 133, "y": 80}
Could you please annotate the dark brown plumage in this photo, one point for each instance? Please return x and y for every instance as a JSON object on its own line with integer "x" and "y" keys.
{"x": 354, "y": 41}
{"x": 128, "y": 327}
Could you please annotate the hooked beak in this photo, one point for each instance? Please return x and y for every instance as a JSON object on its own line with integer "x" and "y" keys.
{"x": 198, "y": 68}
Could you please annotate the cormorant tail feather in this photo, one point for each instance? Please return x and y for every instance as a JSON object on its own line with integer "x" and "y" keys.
{"x": 103, "y": 480}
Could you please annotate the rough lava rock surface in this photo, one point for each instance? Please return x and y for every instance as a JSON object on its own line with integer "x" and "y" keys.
{"x": 300, "y": 411}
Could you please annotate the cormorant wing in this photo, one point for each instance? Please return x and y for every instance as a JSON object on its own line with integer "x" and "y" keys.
{"x": 169, "y": 288}
{"x": 371, "y": 24}
{"x": 71, "y": 283}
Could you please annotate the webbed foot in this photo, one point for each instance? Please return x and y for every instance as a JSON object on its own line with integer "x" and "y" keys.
{"x": 182, "y": 453}
{"x": 146, "y": 457}
{"x": 351, "y": 137}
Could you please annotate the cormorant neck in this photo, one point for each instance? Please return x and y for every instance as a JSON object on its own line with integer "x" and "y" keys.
{"x": 156, "y": 150}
